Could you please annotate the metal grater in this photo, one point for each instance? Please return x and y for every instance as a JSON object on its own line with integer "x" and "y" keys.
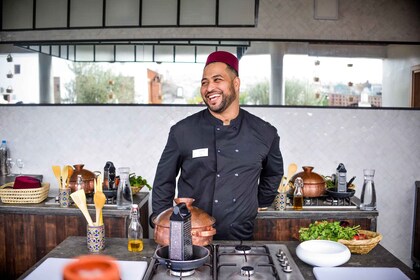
{"x": 180, "y": 243}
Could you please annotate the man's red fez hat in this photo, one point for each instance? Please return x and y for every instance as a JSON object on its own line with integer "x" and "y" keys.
{"x": 225, "y": 57}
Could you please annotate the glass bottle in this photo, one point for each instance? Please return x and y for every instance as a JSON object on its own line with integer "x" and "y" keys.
{"x": 135, "y": 231}
{"x": 124, "y": 193}
{"x": 368, "y": 197}
{"x": 79, "y": 182}
{"x": 298, "y": 194}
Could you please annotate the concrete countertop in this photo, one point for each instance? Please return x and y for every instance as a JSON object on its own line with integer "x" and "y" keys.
{"x": 117, "y": 248}
{"x": 49, "y": 206}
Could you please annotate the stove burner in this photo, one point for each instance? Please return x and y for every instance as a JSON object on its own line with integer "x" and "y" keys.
{"x": 242, "y": 249}
{"x": 181, "y": 274}
{"x": 247, "y": 270}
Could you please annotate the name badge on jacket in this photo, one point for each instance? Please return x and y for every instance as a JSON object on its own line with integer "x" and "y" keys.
{"x": 204, "y": 152}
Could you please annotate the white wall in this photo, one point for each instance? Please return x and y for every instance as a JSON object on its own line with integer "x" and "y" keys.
{"x": 386, "y": 140}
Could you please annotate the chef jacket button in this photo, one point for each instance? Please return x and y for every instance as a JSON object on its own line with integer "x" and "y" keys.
{"x": 218, "y": 150}
{"x": 217, "y": 128}
{"x": 236, "y": 174}
{"x": 236, "y": 150}
{"x": 216, "y": 201}
{"x": 234, "y": 200}
{"x": 218, "y": 175}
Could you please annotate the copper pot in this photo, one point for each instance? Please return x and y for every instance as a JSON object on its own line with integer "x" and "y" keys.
{"x": 202, "y": 230}
{"x": 313, "y": 183}
{"x": 88, "y": 178}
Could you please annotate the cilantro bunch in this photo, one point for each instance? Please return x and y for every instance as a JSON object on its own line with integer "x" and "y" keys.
{"x": 327, "y": 231}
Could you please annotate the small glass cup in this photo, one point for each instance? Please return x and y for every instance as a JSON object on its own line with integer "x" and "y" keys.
{"x": 10, "y": 164}
{"x": 64, "y": 197}
{"x": 20, "y": 164}
{"x": 95, "y": 238}
{"x": 280, "y": 201}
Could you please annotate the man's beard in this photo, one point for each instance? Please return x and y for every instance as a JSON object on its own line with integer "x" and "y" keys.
{"x": 227, "y": 100}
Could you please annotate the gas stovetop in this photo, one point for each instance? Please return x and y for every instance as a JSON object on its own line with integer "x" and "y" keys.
{"x": 325, "y": 202}
{"x": 241, "y": 261}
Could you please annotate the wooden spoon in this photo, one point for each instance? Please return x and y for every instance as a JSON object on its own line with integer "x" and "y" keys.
{"x": 64, "y": 175}
{"x": 99, "y": 199}
{"x": 57, "y": 173}
{"x": 79, "y": 197}
{"x": 291, "y": 170}
{"x": 70, "y": 171}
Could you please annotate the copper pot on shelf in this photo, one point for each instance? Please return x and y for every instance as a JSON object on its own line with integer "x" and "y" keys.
{"x": 313, "y": 183}
{"x": 88, "y": 178}
{"x": 202, "y": 230}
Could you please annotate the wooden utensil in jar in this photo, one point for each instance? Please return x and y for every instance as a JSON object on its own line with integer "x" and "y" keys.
{"x": 64, "y": 176}
{"x": 57, "y": 173}
{"x": 70, "y": 171}
{"x": 99, "y": 199}
{"x": 79, "y": 197}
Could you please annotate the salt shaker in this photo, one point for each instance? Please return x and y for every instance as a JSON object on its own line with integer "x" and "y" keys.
{"x": 368, "y": 197}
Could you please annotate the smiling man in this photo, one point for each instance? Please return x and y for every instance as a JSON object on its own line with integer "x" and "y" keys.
{"x": 227, "y": 159}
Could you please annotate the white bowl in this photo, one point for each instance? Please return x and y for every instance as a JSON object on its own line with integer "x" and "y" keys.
{"x": 323, "y": 253}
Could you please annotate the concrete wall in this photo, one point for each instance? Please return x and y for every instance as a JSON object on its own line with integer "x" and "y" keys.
{"x": 358, "y": 20}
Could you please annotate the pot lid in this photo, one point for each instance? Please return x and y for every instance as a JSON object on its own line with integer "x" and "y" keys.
{"x": 309, "y": 177}
{"x": 87, "y": 175}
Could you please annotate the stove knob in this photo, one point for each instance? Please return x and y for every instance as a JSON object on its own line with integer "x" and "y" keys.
{"x": 287, "y": 269}
{"x": 281, "y": 258}
{"x": 280, "y": 253}
{"x": 284, "y": 263}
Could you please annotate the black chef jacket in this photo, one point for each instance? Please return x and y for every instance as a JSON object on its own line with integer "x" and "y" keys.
{"x": 229, "y": 170}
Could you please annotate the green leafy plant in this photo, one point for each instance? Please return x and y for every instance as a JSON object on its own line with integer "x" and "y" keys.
{"x": 138, "y": 181}
{"x": 328, "y": 231}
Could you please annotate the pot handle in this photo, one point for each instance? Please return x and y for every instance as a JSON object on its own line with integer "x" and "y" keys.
{"x": 206, "y": 233}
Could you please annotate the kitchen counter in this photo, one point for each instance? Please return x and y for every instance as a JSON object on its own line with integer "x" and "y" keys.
{"x": 284, "y": 225}
{"x": 49, "y": 205}
{"x": 117, "y": 248}
{"x": 29, "y": 231}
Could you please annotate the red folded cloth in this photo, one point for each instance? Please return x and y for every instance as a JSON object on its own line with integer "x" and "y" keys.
{"x": 26, "y": 182}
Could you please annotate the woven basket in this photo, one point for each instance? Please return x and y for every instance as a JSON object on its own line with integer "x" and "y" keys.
{"x": 363, "y": 246}
{"x": 135, "y": 190}
{"x": 10, "y": 195}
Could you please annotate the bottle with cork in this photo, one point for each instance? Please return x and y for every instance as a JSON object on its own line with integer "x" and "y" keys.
{"x": 298, "y": 194}
{"x": 135, "y": 231}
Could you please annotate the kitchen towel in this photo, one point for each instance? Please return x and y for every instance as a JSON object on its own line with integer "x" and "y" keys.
{"x": 359, "y": 273}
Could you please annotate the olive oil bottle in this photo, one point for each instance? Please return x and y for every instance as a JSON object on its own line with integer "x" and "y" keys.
{"x": 298, "y": 194}
{"x": 135, "y": 231}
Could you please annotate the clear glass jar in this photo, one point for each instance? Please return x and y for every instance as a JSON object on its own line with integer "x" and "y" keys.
{"x": 368, "y": 197}
{"x": 124, "y": 193}
{"x": 135, "y": 231}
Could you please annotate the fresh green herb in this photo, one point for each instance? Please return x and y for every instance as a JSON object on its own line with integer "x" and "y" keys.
{"x": 329, "y": 183}
{"x": 138, "y": 181}
{"x": 327, "y": 231}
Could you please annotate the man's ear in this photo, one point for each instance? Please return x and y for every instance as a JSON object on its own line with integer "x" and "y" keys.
{"x": 237, "y": 84}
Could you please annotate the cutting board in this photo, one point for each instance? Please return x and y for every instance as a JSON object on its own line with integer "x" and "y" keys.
{"x": 359, "y": 273}
{"x": 53, "y": 267}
